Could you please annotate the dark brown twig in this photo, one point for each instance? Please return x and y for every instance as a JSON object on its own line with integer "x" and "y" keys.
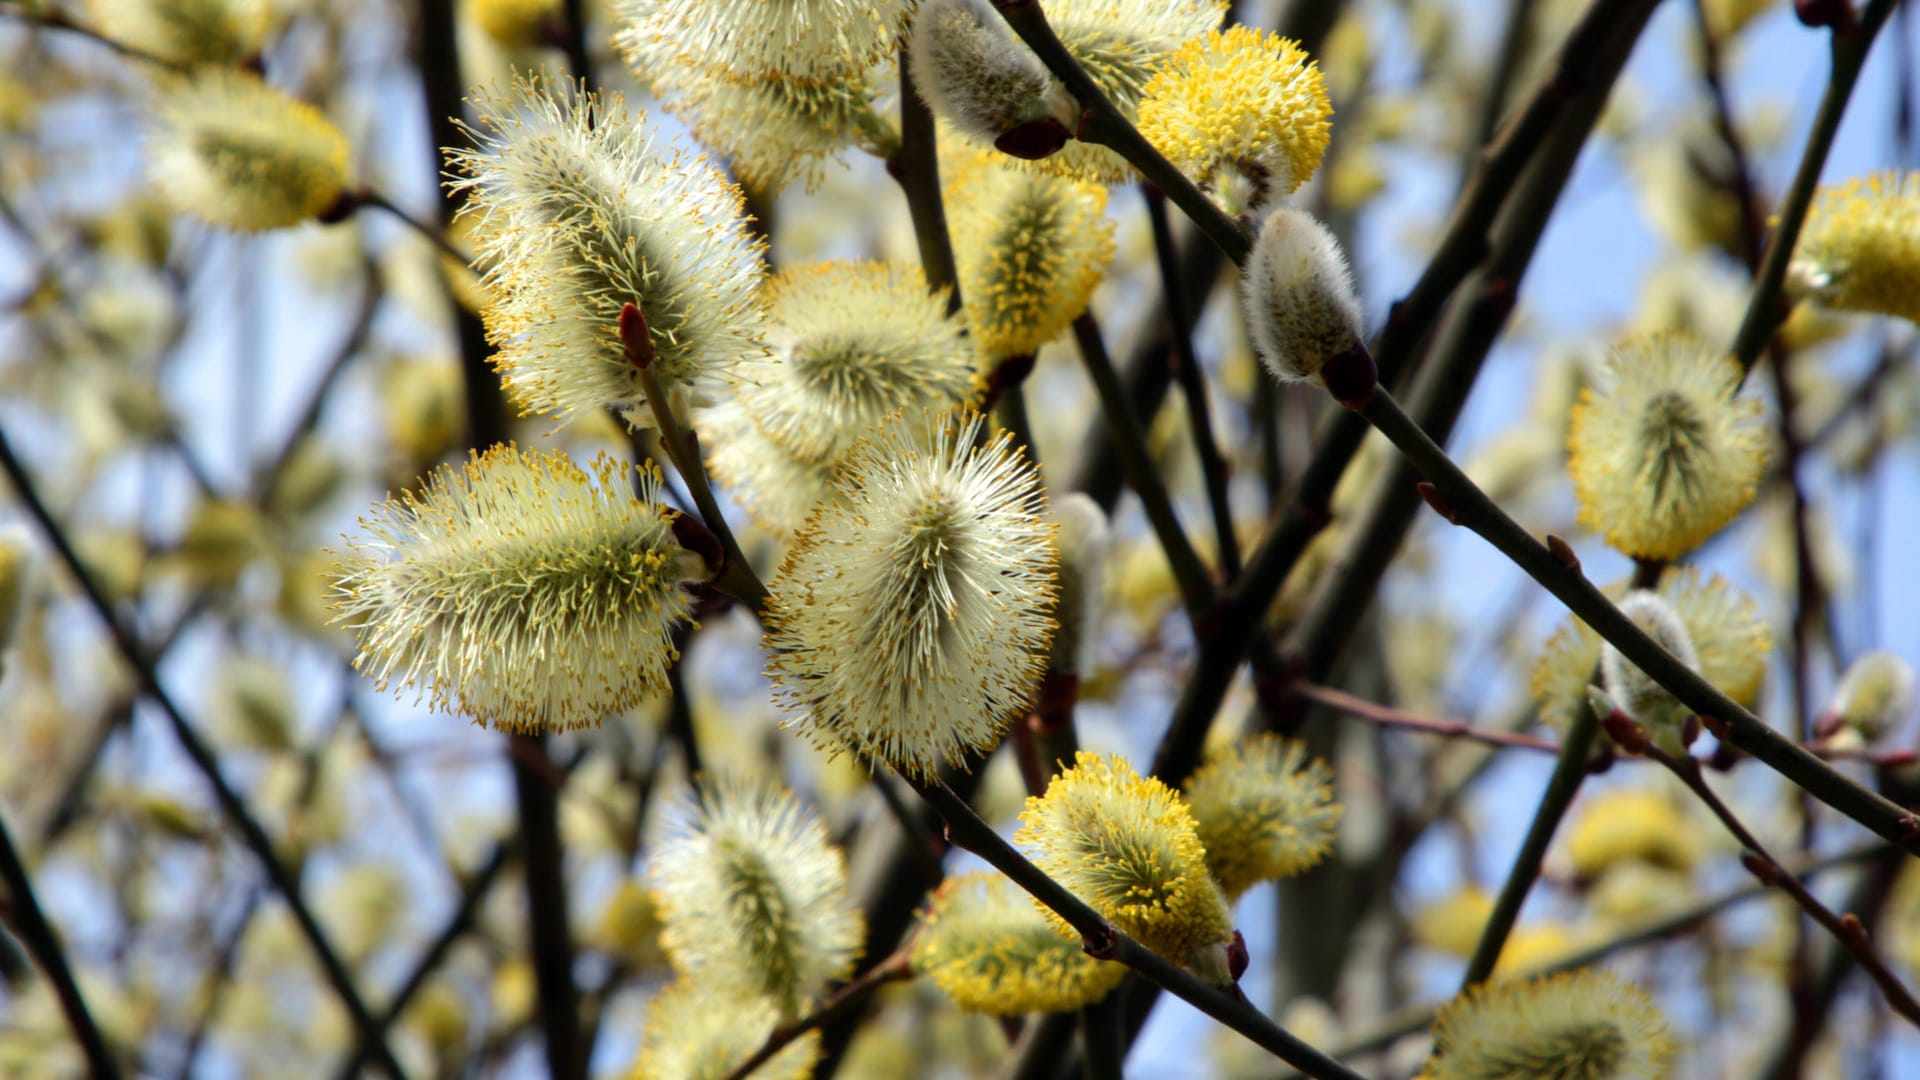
{"x": 894, "y": 968}
{"x": 28, "y": 924}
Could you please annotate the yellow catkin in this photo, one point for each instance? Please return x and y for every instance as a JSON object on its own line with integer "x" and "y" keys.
{"x": 988, "y": 948}
{"x": 1264, "y": 810}
{"x": 1860, "y": 247}
{"x": 233, "y": 151}
{"x": 1129, "y": 847}
{"x": 1581, "y": 1025}
{"x": 1662, "y": 452}
{"x": 1029, "y": 250}
{"x": 1242, "y": 100}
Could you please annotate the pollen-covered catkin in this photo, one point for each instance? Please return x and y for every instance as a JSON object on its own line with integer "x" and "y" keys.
{"x": 986, "y": 945}
{"x": 1243, "y": 105}
{"x": 1728, "y": 633}
{"x": 1875, "y": 695}
{"x": 1264, "y": 810}
{"x": 753, "y": 896}
{"x": 1579, "y": 1025}
{"x": 580, "y": 213}
{"x": 1029, "y": 250}
{"x": 1129, "y": 847}
{"x": 235, "y": 152}
{"x": 853, "y": 345}
{"x": 1662, "y": 451}
{"x": 910, "y": 620}
{"x": 522, "y": 590}
{"x": 1860, "y": 247}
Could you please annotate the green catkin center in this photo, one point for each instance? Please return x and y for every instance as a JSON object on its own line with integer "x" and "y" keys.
{"x": 754, "y": 894}
{"x": 1583, "y": 1052}
{"x": 1673, "y": 441}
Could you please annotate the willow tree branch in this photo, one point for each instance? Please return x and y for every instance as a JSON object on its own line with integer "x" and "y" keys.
{"x": 549, "y": 922}
{"x": 1470, "y": 507}
{"x": 1568, "y": 772}
{"x": 252, "y": 833}
{"x": 51, "y": 19}
{"x": 895, "y": 968}
{"x": 1765, "y": 308}
{"x": 916, "y": 168}
{"x": 1102, "y": 940}
{"x": 1193, "y": 384}
{"x": 1387, "y": 716}
{"x": 1512, "y": 191}
{"x": 1846, "y": 929}
{"x": 27, "y": 923}
{"x": 465, "y": 916}
{"x": 1196, "y": 585}
{"x": 737, "y": 578}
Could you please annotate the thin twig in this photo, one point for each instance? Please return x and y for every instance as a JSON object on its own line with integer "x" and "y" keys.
{"x": 1845, "y": 928}
{"x": 916, "y": 168}
{"x": 1193, "y": 384}
{"x": 252, "y": 833}
{"x": 549, "y": 921}
{"x": 1101, "y": 939}
{"x": 1102, "y": 124}
{"x": 1196, "y": 585}
{"x": 1386, "y": 715}
{"x": 29, "y": 925}
{"x": 51, "y": 19}
{"x": 472, "y": 895}
{"x": 737, "y": 578}
{"x": 895, "y": 968}
{"x": 1471, "y": 508}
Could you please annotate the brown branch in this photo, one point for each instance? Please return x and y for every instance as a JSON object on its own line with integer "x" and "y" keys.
{"x": 252, "y": 833}
{"x": 1342, "y": 701}
{"x": 27, "y": 923}
{"x": 894, "y": 968}
{"x": 1846, "y": 929}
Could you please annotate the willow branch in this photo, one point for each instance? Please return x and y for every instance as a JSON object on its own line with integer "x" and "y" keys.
{"x": 252, "y": 833}
{"x": 1470, "y": 507}
{"x": 1765, "y": 309}
{"x": 1341, "y": 701}
{"x": 1193, "y": 384}
{"x": 1196, "y": 585}
{"x": 1102, "y": 940}
{"x": 894, "y": 968}
{"x": 25, "y": 919}
{"x": 737, "y": 578}
{"x": 1846, "y": 929}
{"x": 916, "y": 168}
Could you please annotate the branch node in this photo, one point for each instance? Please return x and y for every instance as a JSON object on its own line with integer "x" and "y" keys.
{"x": 1432, "y": 497}
{"x": 1561, "y": 550}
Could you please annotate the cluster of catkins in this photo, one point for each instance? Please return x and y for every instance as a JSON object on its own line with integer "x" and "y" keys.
{"x": 925, "y": 584}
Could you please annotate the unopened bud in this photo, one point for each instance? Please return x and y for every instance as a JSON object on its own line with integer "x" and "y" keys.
{"x": 971, "y": 70}
{"x": 1301, "y": 307}
{"x": 1633, "y": 690}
